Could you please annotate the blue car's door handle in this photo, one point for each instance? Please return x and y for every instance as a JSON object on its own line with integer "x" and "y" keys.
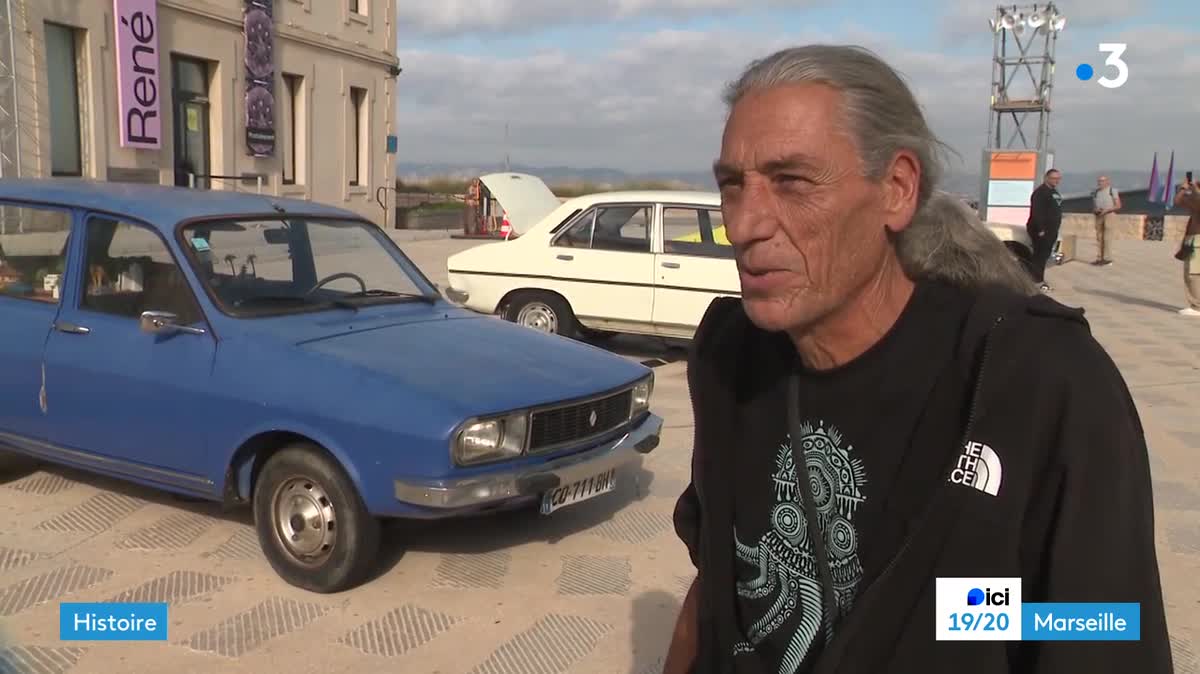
{"x": 71, "y": 328}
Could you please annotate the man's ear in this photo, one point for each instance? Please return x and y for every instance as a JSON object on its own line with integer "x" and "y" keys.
{"x": 901, "y": 188}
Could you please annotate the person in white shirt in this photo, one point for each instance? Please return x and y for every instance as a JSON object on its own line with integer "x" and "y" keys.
{"x": 1106, "y": 200}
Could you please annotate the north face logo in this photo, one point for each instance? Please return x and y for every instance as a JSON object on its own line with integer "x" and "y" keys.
{"x": 978, "y": 467}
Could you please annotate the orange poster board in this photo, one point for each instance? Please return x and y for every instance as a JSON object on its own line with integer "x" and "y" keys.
{"x": 1013, "y": 166}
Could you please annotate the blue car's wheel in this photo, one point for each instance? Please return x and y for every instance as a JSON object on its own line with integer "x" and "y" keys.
{"x": 312, "y": 525}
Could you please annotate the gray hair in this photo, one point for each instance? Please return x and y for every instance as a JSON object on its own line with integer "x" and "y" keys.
{"x": 945, "y": 239}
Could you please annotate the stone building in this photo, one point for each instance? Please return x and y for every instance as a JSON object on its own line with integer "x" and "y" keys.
{"x": 291, "y": 97}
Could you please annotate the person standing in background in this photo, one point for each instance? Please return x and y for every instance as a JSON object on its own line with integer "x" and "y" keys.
{"x": 1105, "y": 201}
{"x": 1045, "y": 218}
{"x": 1188, "y": 196}
{"x": 471, "y": 208}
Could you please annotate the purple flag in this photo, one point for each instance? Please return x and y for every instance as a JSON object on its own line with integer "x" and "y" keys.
{"x": 1153, "y": 192}
{"x": 1168, "y": 193}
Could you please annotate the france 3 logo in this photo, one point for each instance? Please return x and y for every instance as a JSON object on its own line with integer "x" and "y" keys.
{"x": 1114, "y": 60}
{"x": 978, "y": 609}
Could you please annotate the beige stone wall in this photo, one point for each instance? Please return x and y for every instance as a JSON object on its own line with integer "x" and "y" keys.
{"x": 1173, "y": 227}
{"x": 321, "y": 40}
{"x": 1121, "y": 226}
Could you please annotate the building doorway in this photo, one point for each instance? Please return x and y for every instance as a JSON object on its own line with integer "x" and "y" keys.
{"x": 190, "y": 99}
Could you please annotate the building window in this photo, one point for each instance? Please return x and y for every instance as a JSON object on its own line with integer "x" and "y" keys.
{"x": 62, "y": 75}
{"x": 293, "y": 129}
{"x": 190, "y": 79}
{"x": 358, "y": 135}
{"x": 359, "y": 6}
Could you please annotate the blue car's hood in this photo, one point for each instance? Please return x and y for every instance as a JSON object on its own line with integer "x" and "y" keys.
{"x": 482, "y": 363}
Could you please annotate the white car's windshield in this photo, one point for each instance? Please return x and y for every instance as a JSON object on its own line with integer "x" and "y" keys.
{"x": 271, "y": 266}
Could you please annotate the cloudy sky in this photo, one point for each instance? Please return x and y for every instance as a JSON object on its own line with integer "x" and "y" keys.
{"x": 635, "y": 84}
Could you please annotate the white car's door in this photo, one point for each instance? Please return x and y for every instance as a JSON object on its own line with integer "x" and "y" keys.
{"x": 603, "y": 264}
{"x": 693, "y": 266}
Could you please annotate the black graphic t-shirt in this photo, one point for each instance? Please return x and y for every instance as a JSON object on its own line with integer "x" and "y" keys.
{"x": 857, "y": 422}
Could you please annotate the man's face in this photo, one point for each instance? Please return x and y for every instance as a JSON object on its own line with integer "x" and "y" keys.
{"x": 808, "y": 230}
{"x": 1102, "y": 182}
{"x": 1053, "y": 179}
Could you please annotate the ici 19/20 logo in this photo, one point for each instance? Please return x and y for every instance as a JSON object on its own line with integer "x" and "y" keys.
{"x": 1084, "y": 71}
{"x": 987, "y": 597}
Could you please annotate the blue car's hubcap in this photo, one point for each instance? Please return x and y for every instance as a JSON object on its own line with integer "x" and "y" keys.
{"x": 304, "y": 520}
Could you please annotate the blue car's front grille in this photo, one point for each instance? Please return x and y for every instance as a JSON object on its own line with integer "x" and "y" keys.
{"x": 560, "y": 426}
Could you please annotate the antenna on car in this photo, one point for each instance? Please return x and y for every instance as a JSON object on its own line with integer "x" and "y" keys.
{"x": 277, "y": 207}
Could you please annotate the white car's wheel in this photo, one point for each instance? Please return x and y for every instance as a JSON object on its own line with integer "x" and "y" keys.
{"x": 539, "y": 316}
{"x": 544, "y": 312}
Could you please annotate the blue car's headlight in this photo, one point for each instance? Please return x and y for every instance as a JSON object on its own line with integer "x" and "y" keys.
{"x": 641, "y": 396}
{"x": 491, "y": 439}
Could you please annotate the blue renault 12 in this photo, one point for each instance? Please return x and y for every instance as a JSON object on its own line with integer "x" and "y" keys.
{"x": 288, "y": 355}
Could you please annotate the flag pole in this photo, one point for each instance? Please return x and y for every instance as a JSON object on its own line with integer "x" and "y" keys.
{"x": 1152, "y": 190}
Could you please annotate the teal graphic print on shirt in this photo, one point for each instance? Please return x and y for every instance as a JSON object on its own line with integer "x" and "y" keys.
{"x": 781, "y": 564}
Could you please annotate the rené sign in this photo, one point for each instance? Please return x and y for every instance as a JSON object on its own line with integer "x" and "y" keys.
{"x": 138, "y": 92}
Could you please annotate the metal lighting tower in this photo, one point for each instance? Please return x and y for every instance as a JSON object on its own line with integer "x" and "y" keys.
{"x": 1016, "y": 155}
{"x": 10, "y": 127}
{"x": 1025, "y": 38}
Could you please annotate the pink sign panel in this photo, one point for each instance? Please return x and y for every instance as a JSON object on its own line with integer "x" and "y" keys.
{"x": 1008, "y": 215}
{"x": 138, "y": 89}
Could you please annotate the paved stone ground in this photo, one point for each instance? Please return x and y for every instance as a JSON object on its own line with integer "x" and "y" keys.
{"x": 593, "y": 589}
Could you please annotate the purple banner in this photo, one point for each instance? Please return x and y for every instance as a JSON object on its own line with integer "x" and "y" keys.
{"x": 259, "y": 27}
{"x": 137, "y": 73}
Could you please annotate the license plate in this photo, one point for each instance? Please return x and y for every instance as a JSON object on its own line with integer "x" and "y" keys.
{"x": 582, "y": 490}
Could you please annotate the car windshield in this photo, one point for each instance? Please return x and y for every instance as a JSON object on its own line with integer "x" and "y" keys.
{"x": 256, "y": 267}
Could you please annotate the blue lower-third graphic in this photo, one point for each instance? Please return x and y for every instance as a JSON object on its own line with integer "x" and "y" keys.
{"x": 112, "y": 622}
{"x": 1081, "y": 622}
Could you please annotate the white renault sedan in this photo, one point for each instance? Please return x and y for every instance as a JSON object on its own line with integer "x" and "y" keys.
{"x": 633, "y": 262}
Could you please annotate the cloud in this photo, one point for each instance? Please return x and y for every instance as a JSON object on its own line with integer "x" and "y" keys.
{"x": 635, "y": 105}
{"x": 446, "y": 18}
{"x": 652, "y": 102}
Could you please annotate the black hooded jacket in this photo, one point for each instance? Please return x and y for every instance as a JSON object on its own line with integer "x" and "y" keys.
{"x": 1074, "y": 517}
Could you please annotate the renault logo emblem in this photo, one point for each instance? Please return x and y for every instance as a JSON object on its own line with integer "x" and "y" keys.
{"x": 592, "y": 419}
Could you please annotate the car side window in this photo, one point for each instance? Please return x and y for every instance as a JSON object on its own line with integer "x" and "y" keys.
{"x": 33, "y": 252}
{"x": 620, "y": 228}
{"x": 624, "y": 229}
{"x": 128, "y": 270}
{"x": 578, "y": 234}
{"x": 695, "y": 231}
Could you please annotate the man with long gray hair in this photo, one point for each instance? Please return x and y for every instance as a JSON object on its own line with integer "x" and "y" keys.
{"x": 892, "y": 401}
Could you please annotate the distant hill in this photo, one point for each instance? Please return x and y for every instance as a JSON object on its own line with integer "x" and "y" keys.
{"x": 553, "y": 175}
{"x": 1073, "y": 184}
